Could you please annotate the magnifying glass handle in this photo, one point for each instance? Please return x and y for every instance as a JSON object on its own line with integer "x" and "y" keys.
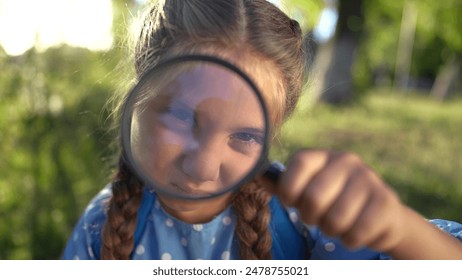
{"x": 274, "y": 170}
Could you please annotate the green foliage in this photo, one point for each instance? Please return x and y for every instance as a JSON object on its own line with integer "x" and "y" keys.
{"x": 54, "y": 146}
{"x": 57, "y": 140}
{"x": 413, "y": 142}
{"x": 437, "y": 37}
{"x": 306, "y": 12}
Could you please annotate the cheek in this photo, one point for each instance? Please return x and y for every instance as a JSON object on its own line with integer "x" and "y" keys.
{"x": 163, "y": 163}
{"x": 156, "y": 152}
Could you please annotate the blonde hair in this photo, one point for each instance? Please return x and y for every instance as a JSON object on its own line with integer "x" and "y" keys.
{"x": 257, "y": 37}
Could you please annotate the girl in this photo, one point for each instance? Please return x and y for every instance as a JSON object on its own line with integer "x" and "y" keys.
{"x": 326, "y": 205}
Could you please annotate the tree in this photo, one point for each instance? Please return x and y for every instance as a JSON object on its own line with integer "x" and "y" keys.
{"x": 332, "y": 67}
{"x": 435, "y": 52}
{"x": 338, "y": 85}
{"x": 365, "y": 51}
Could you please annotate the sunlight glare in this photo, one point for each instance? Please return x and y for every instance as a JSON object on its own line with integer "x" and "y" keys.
{"x": 45, "y": 23}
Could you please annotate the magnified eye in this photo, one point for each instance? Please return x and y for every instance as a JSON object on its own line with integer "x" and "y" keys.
{"x": 179, "y": 116}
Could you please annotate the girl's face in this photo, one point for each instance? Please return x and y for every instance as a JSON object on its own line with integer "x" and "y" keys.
{"x": 200, "y": 134}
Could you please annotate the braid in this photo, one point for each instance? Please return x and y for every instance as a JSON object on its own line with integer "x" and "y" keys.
{"x": 118, "y": 231}
{"x": 253, "y": 217}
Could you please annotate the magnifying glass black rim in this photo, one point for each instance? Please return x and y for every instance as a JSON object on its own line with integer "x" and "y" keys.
{"x": 126, "y": 122}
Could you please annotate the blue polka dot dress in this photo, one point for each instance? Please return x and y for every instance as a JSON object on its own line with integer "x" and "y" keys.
{"x": 168, "y": 238}
{"x": 164, "y": 237}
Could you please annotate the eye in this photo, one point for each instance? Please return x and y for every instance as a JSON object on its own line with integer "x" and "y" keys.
{"x": 248, "y": 137}
{"x": 247, "y": 143}
{"x": 180, "y": 115}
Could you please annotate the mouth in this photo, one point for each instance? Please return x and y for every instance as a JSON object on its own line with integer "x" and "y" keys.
{"x": 190, "y": 191}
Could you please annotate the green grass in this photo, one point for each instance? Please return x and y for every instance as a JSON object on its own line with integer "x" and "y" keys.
{"x": 412, "y": 141}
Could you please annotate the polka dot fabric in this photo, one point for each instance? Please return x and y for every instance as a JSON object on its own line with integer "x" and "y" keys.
{"x": 167, "y": 238}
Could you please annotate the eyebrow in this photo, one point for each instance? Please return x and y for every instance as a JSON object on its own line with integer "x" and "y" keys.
{"x": 256, "y": 131}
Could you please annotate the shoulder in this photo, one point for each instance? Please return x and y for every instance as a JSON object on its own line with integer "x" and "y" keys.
{"x": 85, "y": 241}
{"x": 96, "y": 209}
{"x": 94, "y": 216}
{"x": 453, "y": 228}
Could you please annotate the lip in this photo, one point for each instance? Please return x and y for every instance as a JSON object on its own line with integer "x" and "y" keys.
{"x": 189, "y": 190}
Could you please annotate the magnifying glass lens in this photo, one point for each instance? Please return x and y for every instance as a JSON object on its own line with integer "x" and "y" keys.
{"x": 195, "y": 128}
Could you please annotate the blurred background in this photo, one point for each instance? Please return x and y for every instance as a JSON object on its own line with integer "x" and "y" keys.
{"x": 385, "y": 83}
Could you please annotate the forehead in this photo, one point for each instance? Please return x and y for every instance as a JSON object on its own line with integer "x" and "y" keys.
{"x": 217, "y": 93}
{"x": 201, "y": 81}
{"x": 268, "y": 78}
{"x": 264, "y": 72}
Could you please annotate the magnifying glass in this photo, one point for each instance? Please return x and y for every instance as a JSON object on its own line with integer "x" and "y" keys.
{"x": 195, "y": 127}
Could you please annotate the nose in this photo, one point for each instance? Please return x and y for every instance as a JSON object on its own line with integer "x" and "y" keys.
{"x": 203, "y": 159}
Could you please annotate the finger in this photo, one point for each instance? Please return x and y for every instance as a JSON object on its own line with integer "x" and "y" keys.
{"x": 375, "y": 220}
{"x": 301, "y": 168}
{"x": 326, "y": 186}
{"x": 345, "y": 210}
{"x": 383, "y": 242}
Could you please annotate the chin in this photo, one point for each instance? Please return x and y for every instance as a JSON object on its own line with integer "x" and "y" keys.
{"x": 180, "y": 204}
{"x": 195, "y": 211}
